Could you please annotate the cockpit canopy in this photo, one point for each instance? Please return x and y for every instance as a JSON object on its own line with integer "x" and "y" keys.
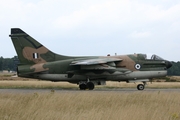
{"x": 153, "y": 57}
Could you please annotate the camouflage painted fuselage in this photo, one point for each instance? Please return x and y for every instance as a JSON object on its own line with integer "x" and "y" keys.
{"x": 36, "y": 61}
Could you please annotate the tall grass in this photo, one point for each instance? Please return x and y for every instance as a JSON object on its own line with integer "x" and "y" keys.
{"x": 37, "y": 84}
{"x": 89, "y": 105}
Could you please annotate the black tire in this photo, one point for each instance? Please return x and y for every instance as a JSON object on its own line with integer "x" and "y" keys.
{"x": 140, "y": 87}
{"x": 82, "y": 86}
{"x": 90, "y": 85}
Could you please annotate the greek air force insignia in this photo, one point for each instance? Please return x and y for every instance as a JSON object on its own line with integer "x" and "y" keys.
{"x": 138, "y": 66}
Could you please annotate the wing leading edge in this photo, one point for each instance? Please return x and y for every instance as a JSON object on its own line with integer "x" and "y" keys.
{"x": 95, "y": 61}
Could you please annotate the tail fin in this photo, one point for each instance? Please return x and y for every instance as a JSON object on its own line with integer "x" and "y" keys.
{"x": 30, "y": 51}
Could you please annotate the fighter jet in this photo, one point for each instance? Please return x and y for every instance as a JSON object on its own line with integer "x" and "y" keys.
{"x": 36, "y": 61}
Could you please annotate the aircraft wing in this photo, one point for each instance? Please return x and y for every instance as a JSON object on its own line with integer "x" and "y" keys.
{"x": 95, "y": 61}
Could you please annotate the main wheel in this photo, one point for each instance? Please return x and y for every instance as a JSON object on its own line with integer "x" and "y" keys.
{"x": 82, "y": 86}
{"x": 140, "y": 87}
{"x": 90, "y": 85}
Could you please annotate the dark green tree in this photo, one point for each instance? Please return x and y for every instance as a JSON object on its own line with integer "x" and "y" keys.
{"x": 1, "y": 63}
{"x": 175, "y": 69}
{"x": 9, "y": 64}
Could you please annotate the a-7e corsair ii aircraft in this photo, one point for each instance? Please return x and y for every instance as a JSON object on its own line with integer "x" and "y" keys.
{"x": 36, "y": 61}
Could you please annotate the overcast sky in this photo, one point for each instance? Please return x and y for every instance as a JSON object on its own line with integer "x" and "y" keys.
{"x": 95, "y": 27}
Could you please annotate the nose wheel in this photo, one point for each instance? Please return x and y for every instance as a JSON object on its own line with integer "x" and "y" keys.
{"x": 140, "y": 87}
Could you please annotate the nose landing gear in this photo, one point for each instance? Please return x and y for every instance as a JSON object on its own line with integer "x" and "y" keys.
{"x": 141, "y": 86}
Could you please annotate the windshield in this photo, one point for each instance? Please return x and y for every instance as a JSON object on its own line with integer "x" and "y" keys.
{"x": 149, "y": 57}
{"x": 155, "y": 57}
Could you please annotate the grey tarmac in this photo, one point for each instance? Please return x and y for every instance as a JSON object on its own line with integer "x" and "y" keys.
{"x": 122, "y": 90}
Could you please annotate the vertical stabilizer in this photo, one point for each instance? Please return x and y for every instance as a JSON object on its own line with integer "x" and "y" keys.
{"x": 29, "y": 50}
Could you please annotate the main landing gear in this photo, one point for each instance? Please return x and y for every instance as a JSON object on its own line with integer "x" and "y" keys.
{"x": 86, "y": 85}
{"x": 141, "y": 86}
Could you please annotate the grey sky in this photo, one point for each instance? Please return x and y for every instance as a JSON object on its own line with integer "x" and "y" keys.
{"x": 95, "y": 27}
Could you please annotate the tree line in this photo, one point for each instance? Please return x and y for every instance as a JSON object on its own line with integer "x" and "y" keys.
{"x": 175, "y": 69}
{"x": 10, "y": 64}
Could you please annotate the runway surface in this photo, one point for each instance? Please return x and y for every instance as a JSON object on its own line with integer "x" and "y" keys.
{"x": 123, "y": 90}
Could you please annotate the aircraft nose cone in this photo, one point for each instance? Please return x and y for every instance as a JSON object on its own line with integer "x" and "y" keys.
{"x": 168, "y": 64}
